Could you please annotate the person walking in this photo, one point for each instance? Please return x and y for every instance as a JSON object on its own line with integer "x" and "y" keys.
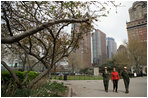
{"x": 106, "y": 79}
{"x": 115, "y": 78}
{"x": 126, "y": 79}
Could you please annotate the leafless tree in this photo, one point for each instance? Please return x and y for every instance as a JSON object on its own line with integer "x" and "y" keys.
{"x": 35, "y": 28}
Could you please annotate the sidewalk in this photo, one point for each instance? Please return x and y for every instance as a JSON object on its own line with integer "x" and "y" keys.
{"x": 95, "y": 88}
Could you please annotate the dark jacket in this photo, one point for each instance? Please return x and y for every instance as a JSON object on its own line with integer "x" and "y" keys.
{"x": 105, "y": 76}
{"x": 125, "y": 75}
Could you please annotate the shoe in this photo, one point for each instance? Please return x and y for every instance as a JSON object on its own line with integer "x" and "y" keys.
{"x": 116, "y": 91}
{"x": 106, "y": 90}
{"x": 127, "y": 92}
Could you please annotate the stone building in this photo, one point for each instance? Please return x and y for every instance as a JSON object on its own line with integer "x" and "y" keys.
{"x": 137, "y": 27}
{"x": 138, "y": 10}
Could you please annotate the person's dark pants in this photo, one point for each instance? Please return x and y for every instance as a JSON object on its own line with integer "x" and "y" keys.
{"x": 126, "y": 83}
{"x": 115, "y": 85}
{"x": 106, "y": 82}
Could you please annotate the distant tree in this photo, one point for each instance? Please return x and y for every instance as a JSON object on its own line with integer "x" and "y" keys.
{"x": 137, "y": 53}
{"x": 134, "y": 54}
{"x": 109, "y": 64}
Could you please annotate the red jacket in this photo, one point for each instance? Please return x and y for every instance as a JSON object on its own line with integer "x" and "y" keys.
{"x": 115, "y": 76}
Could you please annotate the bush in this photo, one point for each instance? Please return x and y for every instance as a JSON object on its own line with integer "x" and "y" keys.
{"x": 52, "y": 89}
{"x": 32, "y": 75}
{"x": 20, "y": 75}
{"x": 13, "y": 91}
{"x": 6, "y": 76}
{"x": 22, "y": 92}
{"x": 48, "y": 89}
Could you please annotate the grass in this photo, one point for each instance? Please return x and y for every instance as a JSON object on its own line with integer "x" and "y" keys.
{"x": 78, "y": 77}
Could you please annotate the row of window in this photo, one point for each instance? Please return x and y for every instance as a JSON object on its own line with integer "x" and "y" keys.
{"x": 137, "y": 27}
{"x": 137, "y": 23}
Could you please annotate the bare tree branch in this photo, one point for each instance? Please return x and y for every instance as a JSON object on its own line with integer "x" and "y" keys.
{"x": 16, "y": 38}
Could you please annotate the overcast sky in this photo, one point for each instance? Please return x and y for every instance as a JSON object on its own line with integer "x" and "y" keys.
{"x": 115, "y": 24}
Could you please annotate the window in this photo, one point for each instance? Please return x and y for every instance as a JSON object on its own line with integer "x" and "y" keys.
{"x": 134, "y": 9}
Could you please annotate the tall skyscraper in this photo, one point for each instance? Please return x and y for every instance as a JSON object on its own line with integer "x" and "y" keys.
{"x": 99, "y": 47}
{"x": 111, "y": 47}
{"x": 84, "y": 50}
{"x": 137, "y": 27}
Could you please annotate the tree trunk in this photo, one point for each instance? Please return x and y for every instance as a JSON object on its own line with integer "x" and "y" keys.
{"x": 49, "y": 75}
{"x": 38, "y": 78}
{"x": 13, "y": 74}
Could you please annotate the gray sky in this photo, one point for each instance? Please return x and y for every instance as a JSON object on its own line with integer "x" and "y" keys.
{"x": 115, "y": 24}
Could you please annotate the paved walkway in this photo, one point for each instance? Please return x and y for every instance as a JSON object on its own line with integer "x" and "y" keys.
{"x": 95, "y": 88}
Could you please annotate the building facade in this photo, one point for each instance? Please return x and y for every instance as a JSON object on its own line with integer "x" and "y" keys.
{"x": 111, "y": 47}
{"x": 84, "y": 50}
{"x": 137, "y": 27}
{"x": 138, "y": 10}
{"x": 99, "y": 47}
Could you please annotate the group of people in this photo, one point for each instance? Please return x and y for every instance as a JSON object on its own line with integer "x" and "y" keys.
{"x": 115, "y": 78}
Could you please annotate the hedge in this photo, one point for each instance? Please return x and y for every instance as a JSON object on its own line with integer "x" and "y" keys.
{"x": 6, "y": 76}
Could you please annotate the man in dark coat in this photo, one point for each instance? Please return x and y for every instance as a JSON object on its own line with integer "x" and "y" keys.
{"x": 126, "y": 79}
{"x": 106, "y": 79}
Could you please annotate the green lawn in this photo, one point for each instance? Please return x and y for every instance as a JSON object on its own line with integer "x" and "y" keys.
{"x": 79, "y": 77}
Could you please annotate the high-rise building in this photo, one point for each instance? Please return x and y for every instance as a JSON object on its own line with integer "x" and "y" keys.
{"x": 99, "y": 47}
{"x": 137, "y": 27}
{"x": 84, "y": 50}
{"x": 111, "y": 47}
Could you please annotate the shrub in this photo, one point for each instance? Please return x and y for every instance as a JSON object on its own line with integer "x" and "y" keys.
{"x": 22, "y": 92}
{"x": 20, "y": 75}
{"x": 32, "y": 75}
{"x": 9, "y": 87}
{"x": 6, "y": 76}
{"x": 52, "y": 89}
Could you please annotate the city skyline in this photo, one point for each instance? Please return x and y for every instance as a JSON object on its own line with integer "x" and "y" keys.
{"x": 114, "y": 25}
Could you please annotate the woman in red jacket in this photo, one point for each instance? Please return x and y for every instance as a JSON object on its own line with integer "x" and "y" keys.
{"x": 115, "y": 79}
